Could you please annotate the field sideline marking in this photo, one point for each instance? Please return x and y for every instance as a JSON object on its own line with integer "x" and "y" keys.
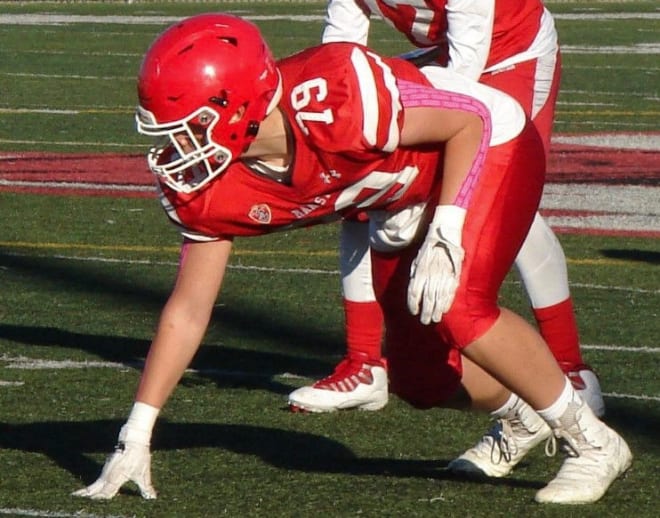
{"x": 69, "y": 111}
{"x": 143, "y": 248}
{"x": 609, "y": 113}
{"x": 643, "y": 397}
{"x": 318, "y": 271}
{"x": 620, "y": 348}
{"x": 72, "y": 143}
{"x": 58, "y": 19}
{"x": 131, "y": 110}
{"x": 237, "y": 252}
{"x": 23, "y": 363}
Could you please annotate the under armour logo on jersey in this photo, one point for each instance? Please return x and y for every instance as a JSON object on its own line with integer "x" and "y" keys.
{"x": 327, "y": 177}
{"x": 260, "y": 213}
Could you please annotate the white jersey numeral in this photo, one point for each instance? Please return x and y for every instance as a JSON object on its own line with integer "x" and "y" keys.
{"x": 377, "y": 183}
{"x": 302, "y": 95}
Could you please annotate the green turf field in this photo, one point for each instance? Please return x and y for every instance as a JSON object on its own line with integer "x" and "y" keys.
{"x": 83, "y": 280}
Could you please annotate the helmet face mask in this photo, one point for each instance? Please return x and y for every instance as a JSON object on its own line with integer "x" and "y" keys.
{"x": 184, "y": 155}
{"x": 204, "y": 86}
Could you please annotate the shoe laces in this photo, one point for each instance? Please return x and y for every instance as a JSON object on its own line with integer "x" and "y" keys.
{"x": 499, "y": 442}
{"x": 503, "y": 442}
{"x": 551, "y": 446}
{"x": 504, "y": 437}
{"x": 572, "y": 439}
{"x": 583, "y": 459}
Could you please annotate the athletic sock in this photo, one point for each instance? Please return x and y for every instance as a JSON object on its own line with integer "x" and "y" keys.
{"x": 364, "y": 328}
{"x": 559, "y": 329}
{"x": 508, "y": 408}
{"x": 558, "y": 408}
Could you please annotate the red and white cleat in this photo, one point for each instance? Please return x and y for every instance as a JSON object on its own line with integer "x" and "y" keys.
{"x": 355, "y": 383}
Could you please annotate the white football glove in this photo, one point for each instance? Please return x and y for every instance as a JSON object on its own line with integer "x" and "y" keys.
{"x": 131, "y": 461}
{"x": 436, "y": 271}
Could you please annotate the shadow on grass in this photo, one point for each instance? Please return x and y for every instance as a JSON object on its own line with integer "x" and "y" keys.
{"x": 69, "y": 443}
{"x": 256, "y": 369}
{"x": 642, "y": 256}
{"x": 224, "y": 366}
{"x": 636, "y": 425}
{"x": 239, "y": 317}
{"x": 241, "y": 320}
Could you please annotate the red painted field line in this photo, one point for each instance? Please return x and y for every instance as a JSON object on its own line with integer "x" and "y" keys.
{"x": 126, "y": 175}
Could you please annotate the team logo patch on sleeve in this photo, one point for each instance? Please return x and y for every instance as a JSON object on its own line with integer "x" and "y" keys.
{"x": 260, "y": 213}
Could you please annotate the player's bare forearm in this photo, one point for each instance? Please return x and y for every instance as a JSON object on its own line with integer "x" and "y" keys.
{"x": 461, "y": 154}
{"x": 170, "y": 354}
{"x": 184, "y": 320}
{"x": 462, "y": 133}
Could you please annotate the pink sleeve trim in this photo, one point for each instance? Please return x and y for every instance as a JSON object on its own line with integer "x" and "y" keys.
{"x": 414, "y": 95}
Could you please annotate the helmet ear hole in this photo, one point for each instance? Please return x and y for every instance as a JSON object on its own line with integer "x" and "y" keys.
{"x": 238, "y": 114}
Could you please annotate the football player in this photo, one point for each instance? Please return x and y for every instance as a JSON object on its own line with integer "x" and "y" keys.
{"x": 510, "y": 45}
{"x": 451, "y": 179}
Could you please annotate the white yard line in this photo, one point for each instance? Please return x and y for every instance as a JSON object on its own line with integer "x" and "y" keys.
{"x": 73, "y": 143}
{"x": 66, "y": 19}
{"x": 637, "y": 48}
{"x": 640, "y": 141}
{"x": 620, "y": 348}
{"x": 34, "y": 364}
{"x": 15, "y": 511}
{"x": 94, "y": 186}
{"x": 303, "y": 271}
{"x": 622, "y": 199}
{"x": 641, "y": 397}
{"x": 24, "y": 363}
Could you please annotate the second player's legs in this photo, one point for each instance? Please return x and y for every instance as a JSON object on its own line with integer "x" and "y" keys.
{"x": 541, "y": 262}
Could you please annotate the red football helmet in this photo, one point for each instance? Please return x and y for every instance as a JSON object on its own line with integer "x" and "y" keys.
{"x": 204, "y": 86}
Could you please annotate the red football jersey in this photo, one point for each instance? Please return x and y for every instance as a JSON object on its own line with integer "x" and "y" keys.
{"x": 344, "y": 110}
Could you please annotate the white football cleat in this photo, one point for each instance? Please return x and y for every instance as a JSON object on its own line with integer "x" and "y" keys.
{"x": 504, "y": 445}
{"x": 355, "y": 383}
{"x": 585, "y": 382}
{"x": 597, "y": 455}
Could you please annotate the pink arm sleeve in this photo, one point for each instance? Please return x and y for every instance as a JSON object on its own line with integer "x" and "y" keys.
{"x": 416, "y": 95}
